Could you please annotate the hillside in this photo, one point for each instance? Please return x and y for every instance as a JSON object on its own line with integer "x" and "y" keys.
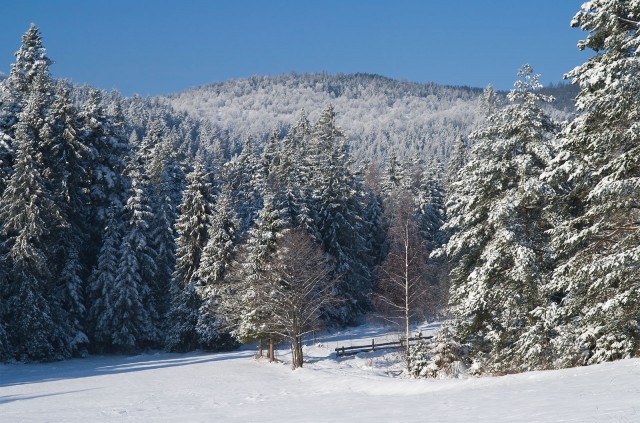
{"x": 378, "y": 115}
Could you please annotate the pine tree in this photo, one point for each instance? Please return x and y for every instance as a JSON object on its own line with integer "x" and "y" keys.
{"x": 457, "y": 160}
{"x": 159, "y": 154}
{"x": 216, "y": 258}
{"x": 293, "y": 151}
{"x": 130, "y": 324}
{"x": 244, "y": 179}
{"x": 597, "y": 242}
{"x": 63, "y": 157}
{"x": 6, "y": 151}
{"x": 394, "y": 176}
{"x": 248, "y": 305}
{"x": 430, "y": 201}
{"x": 498, "y": 244}
{"x": 37, "y": 328}
{"x": 101, "y": 289}
{"x": 31, "y": 63}
{"x": 192, "y": 234}
{"x": 489, "y": 101}
{"x": 108, "y": 147}
{"x": 132, "y": 319}
{"x": 336, "y": 203}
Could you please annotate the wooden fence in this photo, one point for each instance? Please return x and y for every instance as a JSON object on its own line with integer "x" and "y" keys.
{"x": 355, "y": 349}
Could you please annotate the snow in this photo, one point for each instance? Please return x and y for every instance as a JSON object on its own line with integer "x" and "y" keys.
{"x": 233, "y": 387}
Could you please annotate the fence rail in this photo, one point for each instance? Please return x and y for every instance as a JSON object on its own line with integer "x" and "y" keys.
{"x": 355, "y": 349}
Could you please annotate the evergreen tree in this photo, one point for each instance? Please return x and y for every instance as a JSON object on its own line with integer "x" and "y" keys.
{"x": 489, "y": 101}
{"x": 597, "y": 242}
{"x": 216, "y": 257}
{"x": 336, "y": 203}
{"x": 498, "y": 246}
{"x": 101, "y": 289}
{"x": 6, "y": 151}
{"x": 244, "y": 178}
{"x": 108, "y": 147}
{"x": 159, "y": 153}
{"x": 38, "y": 328}
{"x": 394, "y": 176}
{"x": 192, "y": 234}
{"x": 132, "y": 319}
{"x": 430, "y": 201}
{"x": 130, "y": 323}
{"x": 63, "y": 157}
{"x": 457, "y": 160}
{"x": 249, "y": 308}
{"x": 31, "y": 63}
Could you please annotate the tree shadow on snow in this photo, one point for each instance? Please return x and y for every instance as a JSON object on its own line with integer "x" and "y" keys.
{"x": 22, "y": 374}
{"x": 5, "y": 399}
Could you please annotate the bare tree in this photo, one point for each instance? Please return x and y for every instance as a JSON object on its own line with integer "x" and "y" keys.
{"x": 402, "y": 292}
{"x": 300, "y": 286}
{"x": 286, "y": 298}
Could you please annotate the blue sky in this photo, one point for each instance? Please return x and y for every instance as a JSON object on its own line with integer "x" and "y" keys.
{"x": 158, "y": 47}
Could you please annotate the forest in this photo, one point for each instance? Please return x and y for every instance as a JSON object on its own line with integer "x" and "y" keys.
{"x": 267, "y": 208}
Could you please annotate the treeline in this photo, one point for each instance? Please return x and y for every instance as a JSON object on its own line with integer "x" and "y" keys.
{"x": 125, "y": 225}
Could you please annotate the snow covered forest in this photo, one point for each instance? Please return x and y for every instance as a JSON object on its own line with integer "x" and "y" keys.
{"x": 269, "y": 207}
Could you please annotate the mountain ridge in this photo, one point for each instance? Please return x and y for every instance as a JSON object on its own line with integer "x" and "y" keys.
{"x": 380, "y": 116}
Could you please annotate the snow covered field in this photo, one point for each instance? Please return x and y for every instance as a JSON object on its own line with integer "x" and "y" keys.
{"x": 232, "y": 387}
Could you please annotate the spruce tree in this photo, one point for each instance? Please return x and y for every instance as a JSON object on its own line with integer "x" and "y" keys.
{"x": 336, "y": 202}
{"x": 101, "y": 288}
{"x": 192, "y": 234}
{"x": 38, "y": 328}
{"x": 394, "y": 176}
{"x": 457, "y": 160}
{"x": 216, "y": 258}
{"x": 132, "y": 320}
{"x": 430, "y": 202}
{"x": 597, "y": 243}
{"x": 247, "y": 303}
{"x": 498, "y": 246}
{"x": 64, "y": 155}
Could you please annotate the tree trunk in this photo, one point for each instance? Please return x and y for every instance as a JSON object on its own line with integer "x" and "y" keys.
{"x": 260, "y": 348}
{"x": 296, "y": 352}
{"x": 271, "y": 357}
{"x": 406, "y": 291}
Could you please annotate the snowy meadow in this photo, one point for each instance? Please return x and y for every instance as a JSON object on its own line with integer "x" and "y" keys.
{"x": 234, "y": 387}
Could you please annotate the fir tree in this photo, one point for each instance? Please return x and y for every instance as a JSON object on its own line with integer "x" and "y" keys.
{"x": 216, "y": 257}
{"x": 457, "y": 160}
{"x": 101, "y": 287}
{"x": 64, "y": 155}
{"x": 597, "y": 242}
{"x": 336, "y": 202}
{"x": 108, "y": 147}
{"x": 498, "y": 243}
{"x": 394, "y": 176}
{"x": 192, "y": 234}
{"x": 249, "y": 308}
{"x": 38, "y": 328}
{"x": 489, "y": 101}
{"x": 430, "y": 202}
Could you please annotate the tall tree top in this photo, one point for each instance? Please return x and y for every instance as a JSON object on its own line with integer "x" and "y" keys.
{"x": 527, "y": 87}
{"x": 326, "y": 133}
{"x": 31, "y": 60}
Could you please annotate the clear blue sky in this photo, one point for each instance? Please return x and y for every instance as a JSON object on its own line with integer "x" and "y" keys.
{"x": 158, "y": 46}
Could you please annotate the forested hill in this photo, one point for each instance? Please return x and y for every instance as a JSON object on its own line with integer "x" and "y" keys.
{"x": 378, "y": 114}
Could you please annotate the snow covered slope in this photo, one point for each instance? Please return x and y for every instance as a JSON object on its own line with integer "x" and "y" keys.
{"x": 232, "y": 387}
